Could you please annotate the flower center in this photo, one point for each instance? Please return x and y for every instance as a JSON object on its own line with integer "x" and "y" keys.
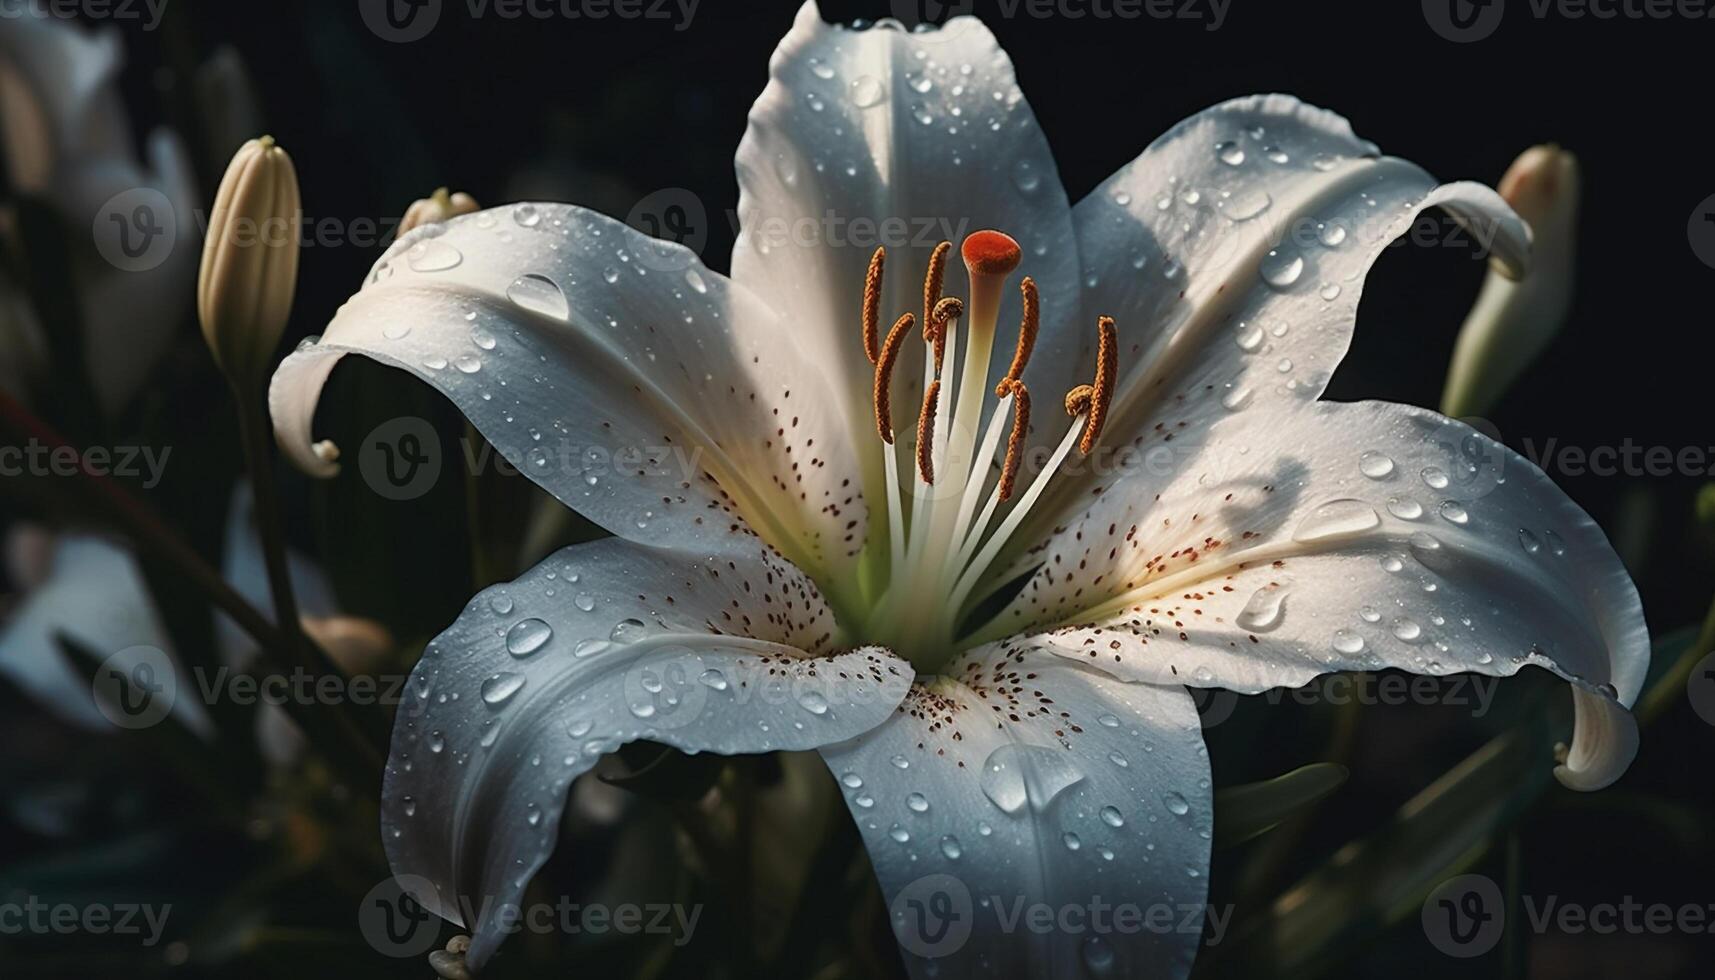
{"x": 939, "y": 543}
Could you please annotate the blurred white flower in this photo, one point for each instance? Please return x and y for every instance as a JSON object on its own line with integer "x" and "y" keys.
{"x": 67, "y": 140}
{"x": 91, "y": 590}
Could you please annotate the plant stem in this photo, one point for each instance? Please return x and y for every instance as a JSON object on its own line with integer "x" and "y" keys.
{"x": 258, "y": 459}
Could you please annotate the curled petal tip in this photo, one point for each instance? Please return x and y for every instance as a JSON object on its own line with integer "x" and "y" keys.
{"x": 1604, "y": 743}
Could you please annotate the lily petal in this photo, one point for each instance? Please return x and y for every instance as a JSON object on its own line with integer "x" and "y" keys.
{"x": 1232, "y": 253}
{"x": 928, "y": 129}
{"x": 1348, "y": 537}
{"x": 1018, "y": 781}
{"x": 600, "y": 645}
{"x": 641, "y": 389}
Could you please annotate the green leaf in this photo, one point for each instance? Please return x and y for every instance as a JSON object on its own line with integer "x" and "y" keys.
{"x": 1249, "y": 811}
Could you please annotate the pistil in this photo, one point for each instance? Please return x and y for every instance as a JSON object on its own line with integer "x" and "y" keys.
{"x": 938, "y": 552}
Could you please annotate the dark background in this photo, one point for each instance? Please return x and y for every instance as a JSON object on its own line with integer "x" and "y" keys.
{"x": 605, "y": 113}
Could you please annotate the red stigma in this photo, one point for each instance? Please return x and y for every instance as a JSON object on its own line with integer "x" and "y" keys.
{"x": 990, "y": 253}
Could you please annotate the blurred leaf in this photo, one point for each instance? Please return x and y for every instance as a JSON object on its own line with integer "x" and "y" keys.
{"x": 199, "y": 763}
{"x": 1254, "y": 809}
{"x": 1371, "y": 883}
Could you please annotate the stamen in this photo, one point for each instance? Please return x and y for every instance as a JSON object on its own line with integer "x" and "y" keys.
{"x": 1107, "y": 373}
{"x": 1078, "y": 400}
{"x": 935, "y": 331}
{"x": 932, "y": 281}
{"x": 884, "y": 375}
{"x": 872, "y": 304}
{"x": 1015, "y": 442}
{"x": 926, "y": 432}
{"x": 1027, "y": 329}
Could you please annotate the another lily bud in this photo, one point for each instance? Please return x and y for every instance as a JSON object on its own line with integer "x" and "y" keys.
{"x": 1513, "y": 320}
{"x": 437, "y": 207}
{"x": 250, "y": 260}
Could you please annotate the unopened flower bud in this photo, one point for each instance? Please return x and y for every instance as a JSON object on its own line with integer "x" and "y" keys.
{"x": 1513, "y": 320}
{"x": 250, "y": 260}
{"x": 437, "y": 207}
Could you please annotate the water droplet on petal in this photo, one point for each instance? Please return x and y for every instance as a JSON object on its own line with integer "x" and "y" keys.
{"x": 1230, "y": 153}
{"x": 951, "y": 848}
{"x": 1112, "y": 817}
{"x": 1455, "y": 512}
{"x": 1176, "y": 804}
{"x": 1281, "y": 268}
{"x": 1015, "y": 775}
{"x": 1336, "y": 519}
{"x": 867, "y": 91}
{"x": 432, "y": 255}
{"x": 1404, "y": 508}
{"x": 500, "y": 688}
{"x": 1529, "y": 541}
{"x": 527, "y": 636}
{"x": 1264, "y": 611}
{"x": 918, "y": 803}
{"x": 538, "y": 294}
{"x": 627, "y": 630}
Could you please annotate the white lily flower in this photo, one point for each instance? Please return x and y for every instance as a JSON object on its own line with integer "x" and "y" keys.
{"x": 1230, "y": 530}
{"x": 67, "y": 139}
